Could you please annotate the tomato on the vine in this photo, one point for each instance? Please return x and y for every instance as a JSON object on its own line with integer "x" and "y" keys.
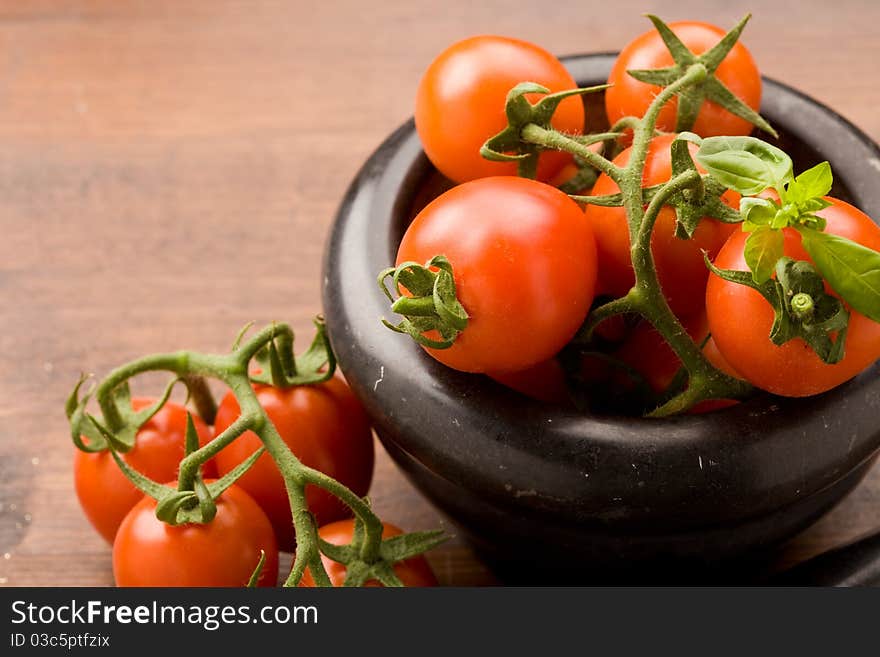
{"x": 325, "y": 426}
{"x": 461, "y": 98}
{"x": 630, "y": 97}
{"x": 740, "y": 318}
{"x": 680, "y": 266}
{"x": 412, "y": 572}
{"x": 222, "y": 552}
{"x": 105, "y": 494}
{"x": 524, "y": 264}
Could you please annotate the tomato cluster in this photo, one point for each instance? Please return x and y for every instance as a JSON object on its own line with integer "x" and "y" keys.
{"x": 529, "y": 264}
{"x": 324, "y": 425}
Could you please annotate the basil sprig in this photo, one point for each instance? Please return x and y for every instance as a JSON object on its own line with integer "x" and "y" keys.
{"x": 852, "y": 270}
{"x": 751, "y": 166}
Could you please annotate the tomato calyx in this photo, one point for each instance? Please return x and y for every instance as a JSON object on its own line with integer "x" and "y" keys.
{"x": 802, "y": 307}
{"x": 193, "y": 501}
{"x": 278, "y": 366}
{"x": 700, "y": 198}
{"x": 392, "y": 550}
{"x": 690, "y": 100}
{"x": 431, "y": 303}
{"x": 120, "y": 424}
{"x": 703, "y": 199}
{"x": 509, "y": 144}
{"x": 751, "y": 167}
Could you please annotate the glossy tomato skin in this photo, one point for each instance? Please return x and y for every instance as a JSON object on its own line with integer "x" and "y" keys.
{"x": 680, "y": 266}
{"x": 223, "y": 552}
{"x": 740, "y": 319}
{"x": 105, "y": 494}
{"x": 461, "y": 97}
{"x": 524, "y": 262}
{"x": 738, "y": 71}
{"x": 325, "y": 426}
{"x": 413, "y": 572}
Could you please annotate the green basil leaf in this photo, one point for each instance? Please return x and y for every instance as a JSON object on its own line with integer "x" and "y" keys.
{"x": 744, "y": 164}
{"x": 756, "y": 212}
{"x": 764, "y": 248}
{"x": 814, "y": 205}
{"x": 852, "y": 270}
{"x": 812, "y": 183}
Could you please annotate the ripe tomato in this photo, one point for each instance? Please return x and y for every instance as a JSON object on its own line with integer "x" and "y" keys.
{"x": 524, "y": 263}
{"x": 223, "y": 552}
{"x": 629, "y": 97}
{"x": 461, "y": 97}
{"x": 325, "y": 426}
{"x": 544, "y": 382}
{"x": 104, "y": 492}
{"x": 740, "y": 318}
{"x": 412, "y": 572}
{"x": 679, "y": 262}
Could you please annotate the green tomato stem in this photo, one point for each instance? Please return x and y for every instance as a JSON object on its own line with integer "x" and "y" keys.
{"x": 802, "y": 305}
{"x": 535, "y": 134}
{"x": 623, "y": 305}
{"x": 646, "y": 297}
{"x": 201, "y": 397}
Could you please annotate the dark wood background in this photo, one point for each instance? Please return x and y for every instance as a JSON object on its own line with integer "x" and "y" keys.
{"x": 169, "y": 170}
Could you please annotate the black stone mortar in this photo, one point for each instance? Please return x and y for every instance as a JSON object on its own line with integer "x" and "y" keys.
{"x": 549, "y": 494}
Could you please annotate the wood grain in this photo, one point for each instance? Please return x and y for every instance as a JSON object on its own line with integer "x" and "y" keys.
{"x": 169, "y": 170}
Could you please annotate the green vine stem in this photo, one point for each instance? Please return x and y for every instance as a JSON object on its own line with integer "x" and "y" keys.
{"x": 549, "y": 138}
{"x": 232, "y": 369}
{"x": 646, "y": 297}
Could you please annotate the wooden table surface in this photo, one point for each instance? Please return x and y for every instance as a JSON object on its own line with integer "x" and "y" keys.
{"x": 169, "y": 171}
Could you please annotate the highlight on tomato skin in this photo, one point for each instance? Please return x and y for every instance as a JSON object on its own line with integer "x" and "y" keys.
{"x": 412, "y": 572}
{"x": 223, "y": 552}
{"x": 461, "y": 98}
{"x": 105, "y": 494}
{"x": 524, "y": 266}
{"x": 738, "y": 71}
{"x": 792, "y": 369}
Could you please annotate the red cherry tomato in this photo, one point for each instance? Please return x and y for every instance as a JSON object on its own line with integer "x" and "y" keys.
{"x": 412, "y": 572}
{"x": 223, "y": 552}
{"x": 105, "y": 494}
{"x": 680, "y": 266}
{"x": 544, "y": 382}
{"x": 461, "y": 97}
{"x": 629, "y": 97}
{"x": 740, "y": 318}
{"x": 325, "y": 426}
{"x": 523, "y": 259}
